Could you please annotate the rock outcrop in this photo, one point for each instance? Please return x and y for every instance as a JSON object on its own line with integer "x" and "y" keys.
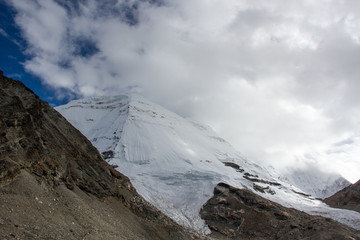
{"x": 55, "y": 185}
{"x": 240, "y": 214}
{"x": 347, "y": 198}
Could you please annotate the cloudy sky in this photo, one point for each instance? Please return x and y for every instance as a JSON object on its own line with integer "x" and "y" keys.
{"x": 278, "y": 79}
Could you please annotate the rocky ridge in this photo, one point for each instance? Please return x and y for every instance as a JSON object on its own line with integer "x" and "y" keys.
{"x": 55, "y": 185}
{"x": 347, "y": 198}
{"x": 234, "y": 213}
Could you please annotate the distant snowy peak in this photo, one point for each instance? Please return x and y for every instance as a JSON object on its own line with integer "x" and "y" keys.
{"x": 317, "y": 183}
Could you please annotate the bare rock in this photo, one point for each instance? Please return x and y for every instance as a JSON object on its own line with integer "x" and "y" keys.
{"x": 347, "y": 198}
{"x": 55, "y": 185}
{"x": 241, "y": 214}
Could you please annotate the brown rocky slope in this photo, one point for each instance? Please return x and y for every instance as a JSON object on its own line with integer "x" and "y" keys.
{"x": 241, "y": 214}
{"x": 55, "y": 185}
{"x": 347, "y": 198}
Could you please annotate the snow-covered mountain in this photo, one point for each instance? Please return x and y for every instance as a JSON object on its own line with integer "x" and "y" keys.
{"x": 175, "y": 163}
{"x": 317, "y": 183}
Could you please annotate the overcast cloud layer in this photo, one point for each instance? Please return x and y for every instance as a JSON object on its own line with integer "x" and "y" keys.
{"x": 279, "y": 79}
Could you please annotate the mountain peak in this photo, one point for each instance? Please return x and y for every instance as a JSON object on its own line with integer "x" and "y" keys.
{"x": 175, "y": 163}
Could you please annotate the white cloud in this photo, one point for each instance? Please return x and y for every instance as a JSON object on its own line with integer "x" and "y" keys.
{"x": 45, "y": 32}
{"x": 278, "y": 79}
{"x": 3, "y": 33}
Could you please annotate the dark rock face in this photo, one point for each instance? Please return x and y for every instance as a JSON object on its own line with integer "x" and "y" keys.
{"x": 234, "y": 166}
{"x": 240, "y": 214}
{"x": 107, "y": 154}
{"x": 55, "y": 185}
{"x": 348, "y": 198}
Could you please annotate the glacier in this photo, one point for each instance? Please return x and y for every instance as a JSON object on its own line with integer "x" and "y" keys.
{"x": 175, "y": 163}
